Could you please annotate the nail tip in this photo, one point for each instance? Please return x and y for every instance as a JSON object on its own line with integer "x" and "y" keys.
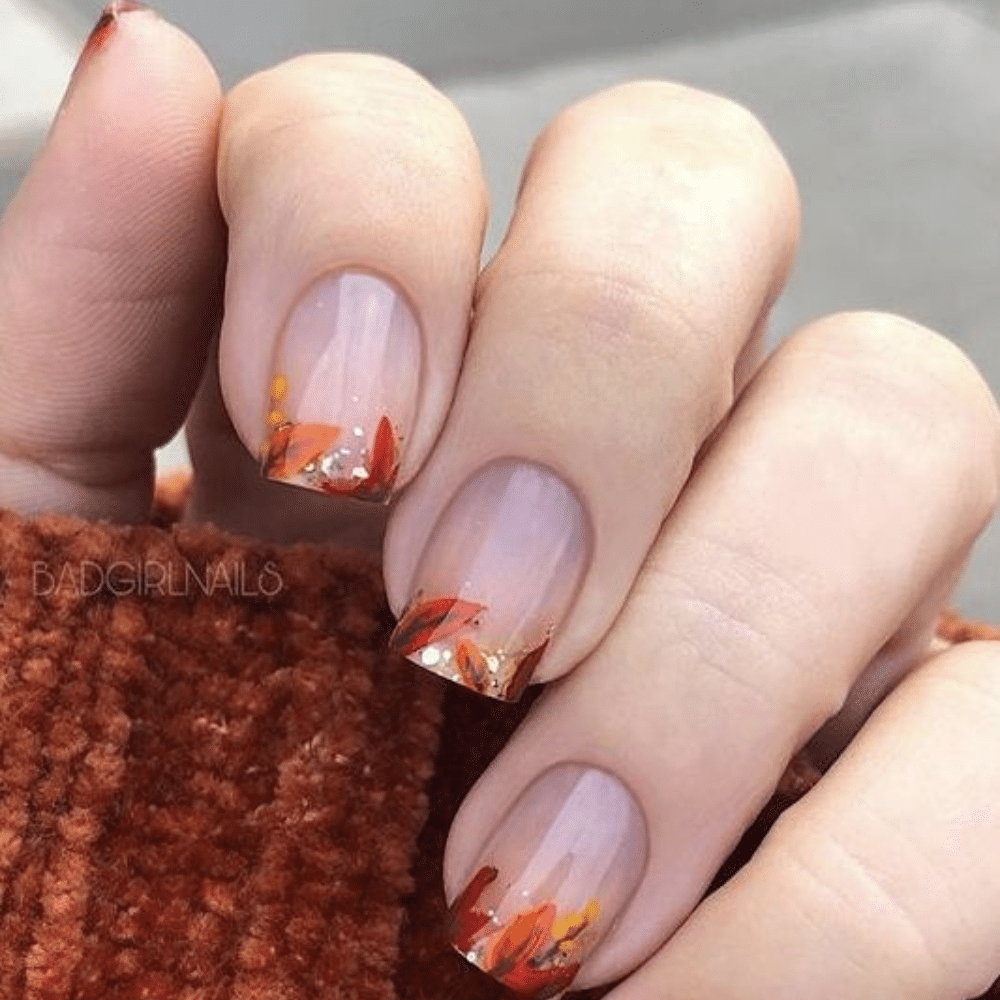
{"x": 98, "y": 39}
{"x": 439, "y": 634}
{"x": 469, "y": 957}
{"x": 303, "y": 454}
{"x": 549, "y": 882}
{"x": 554, "y": 989}
{"x": 504, "y": 696}
{"x": 372, "y": 499}
{"x": 107, "y": 22}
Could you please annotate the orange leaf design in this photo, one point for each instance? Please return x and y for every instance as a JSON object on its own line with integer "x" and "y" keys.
{"x": 471, "y": 665}
{"x": 466, "y": 920}
{"x": 524, "y": 937}
{"x": 567, "y": 929}
{"x": 293, "y": 446}
{"x": 528, "y": 981}
{"x": 428, "y": 621}
{"x": 522, "y": 673}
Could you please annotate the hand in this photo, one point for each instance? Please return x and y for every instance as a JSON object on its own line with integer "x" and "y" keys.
{"x": 721, "y": 557}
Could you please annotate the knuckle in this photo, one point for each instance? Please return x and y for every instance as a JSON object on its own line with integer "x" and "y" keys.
{"x": 739, "y": 638}
{"x": 909, "y": 393}
{"x": 620, "y": 327}
{"x": 660, "y": 123}
{"x": 335, "y": 80}
{"x": 856, "y": 906}
{"x": 649, "y": 104}
{"x": 649, "y": 172}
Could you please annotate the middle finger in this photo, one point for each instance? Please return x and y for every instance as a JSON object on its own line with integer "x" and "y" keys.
{"x": 654, "y": 227}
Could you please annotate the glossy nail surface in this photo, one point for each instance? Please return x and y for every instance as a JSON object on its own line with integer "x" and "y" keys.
{"x": 498, "y": 575}
{"x": 343, "y": 390}
{"x": 551, "y": 881}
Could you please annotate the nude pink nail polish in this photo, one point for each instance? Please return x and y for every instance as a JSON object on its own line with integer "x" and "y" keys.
{"x": 343, "y": 389}
{"x": 548, "y": 885}
{"x": 498, "y": 575}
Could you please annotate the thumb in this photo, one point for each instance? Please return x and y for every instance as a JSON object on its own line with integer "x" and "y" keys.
{"x": 111, "y": 268}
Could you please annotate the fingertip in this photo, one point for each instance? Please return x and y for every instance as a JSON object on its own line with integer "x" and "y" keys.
{"x": 144, "y": 41}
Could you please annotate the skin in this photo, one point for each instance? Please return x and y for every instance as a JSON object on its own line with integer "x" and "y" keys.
{"x": 625, "y": 312}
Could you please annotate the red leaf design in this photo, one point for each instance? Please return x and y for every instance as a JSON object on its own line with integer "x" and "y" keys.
{"x": 384, "y": 458}
{"x": 471, "y": 665}
{"x": 523, "y": 938}
{"x": 521, "y": 677}
{"x": 292, "y": 447}
{"x": 466, "y": 920}
{"x": 343, "y": 487}
{"x": 429, "y": 621}
{"x": 382, "y": 469}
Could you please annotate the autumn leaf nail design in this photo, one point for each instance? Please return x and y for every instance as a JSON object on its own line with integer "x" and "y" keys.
{"x": 536, "y": 953}
{"x": 427, "y": 629}
{"x": 293, "y": 448}
{"x": 496, "y": 578}
{"x": 305, "y": 454}
{"x": 430, "y": 621}
{"x": 343, "y": 388}
{"x": 535, "y": 909}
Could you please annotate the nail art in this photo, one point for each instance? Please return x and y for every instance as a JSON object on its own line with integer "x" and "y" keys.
{"x": 499, "y": 573}
{"x": 106, "y": 25}
{"x": 98, "y": 39}
{"x": 344, "y": 387}
{"x": 551, "y": 881}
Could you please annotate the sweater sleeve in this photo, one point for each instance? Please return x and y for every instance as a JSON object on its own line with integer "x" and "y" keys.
{"x": 212, "y": 775}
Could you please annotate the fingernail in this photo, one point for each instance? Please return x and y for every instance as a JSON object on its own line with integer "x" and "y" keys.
{"x": 343, "y": 389}
{"x": 104, "y": 30}
{"x": 498, "y": 575}
{"x": 550, "y": 882}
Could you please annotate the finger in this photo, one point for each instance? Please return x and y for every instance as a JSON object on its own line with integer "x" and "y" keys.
{"x": 884, "y": 881}
{"x": 902, "y": 653}
{"x": 229, "y": 491}
{"x": 356, "y": 208}
{"x": 859, "y": 462}
{"x": 654, "y": 227}
{"x": 110, "y": 271}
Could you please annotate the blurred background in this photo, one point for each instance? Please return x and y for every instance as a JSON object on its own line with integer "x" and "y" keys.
{"x": 889, "y": 114}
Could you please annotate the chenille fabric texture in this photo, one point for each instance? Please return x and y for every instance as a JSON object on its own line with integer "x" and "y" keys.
{"x": 215, "y": 781}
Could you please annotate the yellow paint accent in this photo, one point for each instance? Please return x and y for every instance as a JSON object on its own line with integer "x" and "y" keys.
{"x": 564, "y": 925}
{"x": 275, "y": 419}
{"x": 279, "y": 387}
{"x": 574, "y": 921}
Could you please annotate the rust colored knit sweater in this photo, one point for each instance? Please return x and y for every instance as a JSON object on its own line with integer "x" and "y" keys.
{"x": 216, "y": 784}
